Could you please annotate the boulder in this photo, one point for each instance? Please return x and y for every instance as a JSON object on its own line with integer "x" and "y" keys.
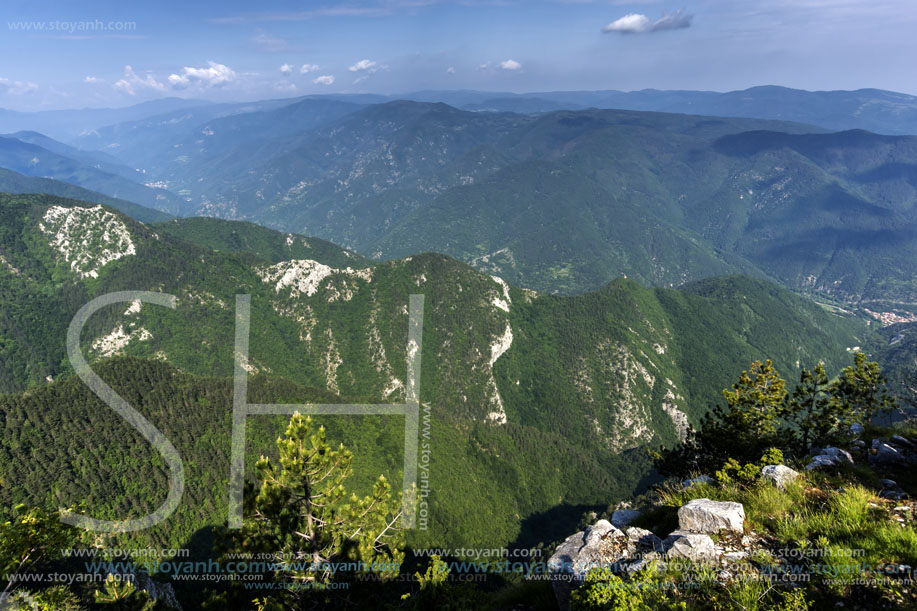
{"x": 643, "y": 539}
{"x": 886, "y": 455}
{"x": 623, "y": 517}
{"x": 700, "y": 479}
{"x": 888, "y": 484}
{"x": 838, "y": 455}
{"x": 820, "y": 461}
{"x": 829, "y": 457}
{"x": 690, "y": 546}
{"x": 600, "y": 545}
{"x": 779, "y": 475}
{"x": 857, "y": 429}
{"x": 900, "y": 441}
{"x": 706, "y": 516}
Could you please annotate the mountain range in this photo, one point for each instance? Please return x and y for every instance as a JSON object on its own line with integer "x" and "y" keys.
{"x": 551, "y": 199}
{"x": 538, "y": 402}
{"x": 565, "y": 201}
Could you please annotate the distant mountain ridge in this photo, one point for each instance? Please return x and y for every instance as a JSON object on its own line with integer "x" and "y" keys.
{"x": 663, "y": 198}
{"x": 82, "y": 169}
{"x": 568, "y": 200}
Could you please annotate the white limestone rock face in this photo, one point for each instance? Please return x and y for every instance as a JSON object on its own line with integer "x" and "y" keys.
{"x": 710, "y": 517}
{"x": 305, "y": 277}
{"x": 87, "y": 239}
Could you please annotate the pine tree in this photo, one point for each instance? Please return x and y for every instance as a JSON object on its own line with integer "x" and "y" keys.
{"x": 742, "y": 430}
{"x": 812, "y": 411}
{"x": 861, "y": 392}
{"x": 303, "y": 514}
{"x": 748, "y": 424}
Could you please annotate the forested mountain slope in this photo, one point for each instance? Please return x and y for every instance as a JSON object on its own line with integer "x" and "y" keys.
{"x": 535, "y": 400}
{"x": 566, "y": 201}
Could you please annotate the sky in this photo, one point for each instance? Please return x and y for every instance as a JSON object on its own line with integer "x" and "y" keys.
{"x": 67, "y": 54}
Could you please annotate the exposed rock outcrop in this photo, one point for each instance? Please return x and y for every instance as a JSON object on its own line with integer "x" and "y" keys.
{"x": 710, "y": 517}
{"x": 622, "y": 518}
{"x": 690, "y": 546}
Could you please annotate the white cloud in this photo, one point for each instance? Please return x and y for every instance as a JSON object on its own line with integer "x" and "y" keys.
{"x": 450, "y": 70}
{"x": 93, "y": 80}
{"x": 17, "y": 87}
{"x": 216, "y": 75}
{"x": 133, "y": 82}
{"x": 324, "y": 80}
{"x": 637, "y": 23}
{"x": 286, "y": 69}
{"x": 307, "y": 68}
{"x": 364, "y": 65}
{"x": 285, "y": 87}
{"x": 629, "y": 24}
{"x": 511, "y": 65}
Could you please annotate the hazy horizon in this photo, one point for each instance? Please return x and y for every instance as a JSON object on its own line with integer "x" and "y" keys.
{"x": 110, "y": 54}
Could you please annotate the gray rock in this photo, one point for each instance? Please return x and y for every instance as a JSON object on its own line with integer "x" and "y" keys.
{"x": 857, "y": 429}
{"x": 901, "y": 442}
{"x": 819, "y": 462}
{"x": 600, "y": 545}
{"x": 690, "y": 546}
{"x": 644, "y": 539}
{"x": 887, "y": 455}
{"x": 829, "y": 457}
{"x": 779, "y": 475}
{"x": 888, "y": 484}
{"x": 623, "y": 517}
{"x": 706, "y": 516}
{"x": 859, "y": 443}
{"x": 838, "y": 455}
{"x": 700, "y": 479}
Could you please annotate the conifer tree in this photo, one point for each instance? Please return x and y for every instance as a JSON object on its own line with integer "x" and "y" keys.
{"x": 303, "y": 515}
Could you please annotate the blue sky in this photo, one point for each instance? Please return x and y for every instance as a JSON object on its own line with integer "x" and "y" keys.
{"x": 61, "y": 53}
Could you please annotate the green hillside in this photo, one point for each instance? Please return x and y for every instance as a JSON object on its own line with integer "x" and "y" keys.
{"x": 536, "y": 400}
